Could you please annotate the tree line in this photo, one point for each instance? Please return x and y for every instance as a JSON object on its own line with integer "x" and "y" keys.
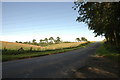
{"x": 45, "y": 41}
{"x": 103, "y": 18}
{"x": 82, "y": 39}
{"x": 51, "y": 40}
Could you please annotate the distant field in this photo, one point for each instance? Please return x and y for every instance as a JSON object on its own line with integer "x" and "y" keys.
{"x": 10, "y": 50}
{"x": 16, "y": 46}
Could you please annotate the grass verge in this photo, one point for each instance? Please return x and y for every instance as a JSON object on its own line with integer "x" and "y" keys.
{"x": 8, "y": 57}
{"x": 108, "y": 53}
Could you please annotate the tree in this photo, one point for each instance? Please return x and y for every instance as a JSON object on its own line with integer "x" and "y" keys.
{"x": 29, "y": 42}
{"x": 41, "y": 40}
{"x": 46, "y": 40}
{"x": 33, "y": 41}
{"x": 102, "y": 18}
{"x": 20, "y": 42}
{"x": 83, "y": 39}
{"x": 78, "y": 39}
{"x": 57, "y": 40}
{"x": 16, "y": 41}
{"x": 51, "y": 39}
{"x": 26, "y": 42}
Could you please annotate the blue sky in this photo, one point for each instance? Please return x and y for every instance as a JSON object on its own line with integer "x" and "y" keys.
{"x": 24, "y": 21}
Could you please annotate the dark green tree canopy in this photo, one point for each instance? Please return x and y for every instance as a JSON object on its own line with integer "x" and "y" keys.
{"x": 46, "y": 39}
{"x": 83, "y": 39}
{"x": 52, "y": 39}
{"x": 33, "y": 40}
{"x": 57, "y": 40}
{"x": 102, "y": 18}
{"x": 78, "y": 39}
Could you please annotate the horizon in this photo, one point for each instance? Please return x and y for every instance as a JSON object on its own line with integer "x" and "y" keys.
{"x": 25, "y": 21}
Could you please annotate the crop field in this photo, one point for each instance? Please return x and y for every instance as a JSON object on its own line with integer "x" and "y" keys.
{"x": 17, "y": 46}
{"x": 13, "y": 51}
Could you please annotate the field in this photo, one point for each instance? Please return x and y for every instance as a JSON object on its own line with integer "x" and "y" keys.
{"x": 17, "y": 46}
{"x": 11, "y": 51}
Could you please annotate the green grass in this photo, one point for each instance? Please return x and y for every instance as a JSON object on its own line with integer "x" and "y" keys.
{"x": 108, "y": 53}
{"x": 28, "y": 54}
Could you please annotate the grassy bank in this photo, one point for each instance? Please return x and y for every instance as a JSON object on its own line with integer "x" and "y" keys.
{"x": 108, "y": 53}
{"x": 36, "y": 53}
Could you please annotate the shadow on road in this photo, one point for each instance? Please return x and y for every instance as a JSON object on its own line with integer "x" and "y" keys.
{"x": 98, "y": 67}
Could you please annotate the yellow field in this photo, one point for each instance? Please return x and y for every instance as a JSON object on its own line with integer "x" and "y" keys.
{"x": 16, "y": 46}
{"x": 63, "y": 45}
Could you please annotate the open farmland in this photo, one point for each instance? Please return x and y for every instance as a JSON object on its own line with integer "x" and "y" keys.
{"x": 63, "y": 45}
{"x": 17, "y": 46}
{"x": 11, "y": 51}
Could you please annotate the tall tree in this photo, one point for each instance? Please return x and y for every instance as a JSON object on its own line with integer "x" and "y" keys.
{"x": 83, "y": 39}
{"x": 102, "y": 18}
{"x": 58, "y": 40}
{"x": 41, "y": 40}
{"x": 51, "y": 39}
{"x": 78, "y": 39}
{"x": 33, "y": 40}
{"x": 46, "y": 40}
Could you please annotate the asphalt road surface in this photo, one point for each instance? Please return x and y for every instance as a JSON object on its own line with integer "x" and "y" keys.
{"x": 50, "y": 66}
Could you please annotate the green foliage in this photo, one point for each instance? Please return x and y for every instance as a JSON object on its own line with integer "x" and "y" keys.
{"x": 33, "y": 40}
{"x": 16, "y": 41}
{"x": 51, "y": 39}
{"x": 57, "y": 40}
{"x": 108, "y": 52}
{"x": 66, "y": 42}
{"x": 46, "y": 40}
{"x": 102, "y": 18}
{"x": 43, "y": 42}
{"x": 83, "y": 39}
{"x": 26, "y": 42}
{"x": 20, "y": 42}
{"x": 78, "y": 39}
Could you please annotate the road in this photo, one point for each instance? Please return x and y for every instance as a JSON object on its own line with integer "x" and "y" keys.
{"x": 50, "y": 66}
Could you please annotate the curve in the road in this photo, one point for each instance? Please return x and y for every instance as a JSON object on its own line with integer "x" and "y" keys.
{"x": 50, "y": 66}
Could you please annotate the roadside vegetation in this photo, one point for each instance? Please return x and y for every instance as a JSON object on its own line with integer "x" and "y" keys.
{"x": 104, "y": 20}
{"x": 12, "y": 51}
{"x": 108, "y": 52}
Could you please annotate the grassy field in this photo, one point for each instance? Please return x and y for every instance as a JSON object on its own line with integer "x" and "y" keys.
{"x": 10, "y": 51}
{"x": 111, "y": 54}
{"x": 17, "y": 46}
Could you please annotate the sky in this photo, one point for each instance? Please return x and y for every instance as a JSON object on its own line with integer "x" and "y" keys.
{"x": 25, "y": 21}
